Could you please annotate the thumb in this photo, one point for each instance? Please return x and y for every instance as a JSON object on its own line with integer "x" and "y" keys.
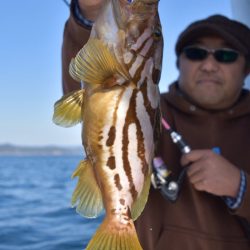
{"x": 192, "y": 156}
{"x": 185, "y": 159}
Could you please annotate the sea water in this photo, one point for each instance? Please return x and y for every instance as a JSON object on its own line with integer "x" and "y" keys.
{"x": 35, "y": 210}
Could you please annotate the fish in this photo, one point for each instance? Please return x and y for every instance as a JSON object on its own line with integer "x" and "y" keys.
{"x": 118, "y": 105}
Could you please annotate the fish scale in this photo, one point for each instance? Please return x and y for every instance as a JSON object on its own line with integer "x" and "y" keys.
{"x": 120, "y": 67}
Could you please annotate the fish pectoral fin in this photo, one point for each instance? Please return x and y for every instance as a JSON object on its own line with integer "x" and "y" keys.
{"x": 113, "y": 234}
{"x": 95, "y": 63}
{"x": 87, "y": 196}
{"x": 140, "y": 202}
{"x": 68, "y": 110}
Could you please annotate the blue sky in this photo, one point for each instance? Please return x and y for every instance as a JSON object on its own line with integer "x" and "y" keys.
{"x": 30, "y": 63}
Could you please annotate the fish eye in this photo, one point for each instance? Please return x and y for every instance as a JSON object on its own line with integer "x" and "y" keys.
{"x": 157, "y": 33}
{"x": 130, "y": 1}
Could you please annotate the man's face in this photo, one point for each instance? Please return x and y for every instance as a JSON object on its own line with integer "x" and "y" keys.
{"x": 209, "y": 83}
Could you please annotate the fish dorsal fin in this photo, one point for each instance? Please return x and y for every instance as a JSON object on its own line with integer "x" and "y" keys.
{"x": 68, "y": 110}
{"x": 140, "y": 202}
{"x": 87, "y": 196}
{"x": 95, "y": 63}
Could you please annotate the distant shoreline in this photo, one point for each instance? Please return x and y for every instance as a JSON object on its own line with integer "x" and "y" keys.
{"x": 14, "y": 150}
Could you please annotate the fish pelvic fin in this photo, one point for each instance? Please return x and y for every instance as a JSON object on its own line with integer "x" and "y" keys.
{"x": 140, "y": 202}
{"x": 95, "y": 63}
{"x": 87, "y": 196}
{"x": 112, "y": 235}
{"x": 68, "y": 110}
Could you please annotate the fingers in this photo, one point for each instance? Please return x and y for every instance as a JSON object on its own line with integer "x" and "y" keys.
{"x": 199, "y": 168}
{"x": 194, "y": 156}
{"x": 197, "y": 177}
{"x": 210, "y": 172}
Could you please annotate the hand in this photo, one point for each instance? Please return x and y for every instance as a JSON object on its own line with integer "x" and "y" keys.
{"x": 212, "y": 173}
{"x": 90, "y": 8}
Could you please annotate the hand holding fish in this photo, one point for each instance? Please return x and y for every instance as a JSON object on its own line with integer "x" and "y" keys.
{"x": 90, "y": 8}
{"x": 212, "y": 173}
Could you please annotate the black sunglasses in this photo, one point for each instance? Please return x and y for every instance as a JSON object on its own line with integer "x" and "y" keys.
{"x": 223, "y": 55}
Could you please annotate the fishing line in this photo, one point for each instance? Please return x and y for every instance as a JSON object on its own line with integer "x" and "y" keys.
{"x": 176, "y": 138}
{"x": 66, "y": 2}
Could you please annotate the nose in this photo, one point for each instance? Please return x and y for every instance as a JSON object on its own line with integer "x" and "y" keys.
{"x": 209, "y": 64}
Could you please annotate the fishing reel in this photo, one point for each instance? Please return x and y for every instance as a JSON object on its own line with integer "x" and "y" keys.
{"x": 163, "y": 180}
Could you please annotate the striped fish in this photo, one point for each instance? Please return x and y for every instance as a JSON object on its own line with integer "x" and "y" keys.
{"x": 120, "y": 68}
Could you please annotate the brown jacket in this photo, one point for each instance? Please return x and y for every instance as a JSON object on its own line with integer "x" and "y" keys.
{"x": 198, "y": 220}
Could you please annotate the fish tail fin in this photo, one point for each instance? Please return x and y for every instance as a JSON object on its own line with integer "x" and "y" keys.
{"x": 112, "y": 235}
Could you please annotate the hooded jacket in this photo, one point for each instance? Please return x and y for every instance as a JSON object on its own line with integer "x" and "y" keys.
{"x": 199, "y": 220}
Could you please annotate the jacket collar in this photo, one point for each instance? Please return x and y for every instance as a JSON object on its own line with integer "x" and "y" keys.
{"x": 176, "y": 98}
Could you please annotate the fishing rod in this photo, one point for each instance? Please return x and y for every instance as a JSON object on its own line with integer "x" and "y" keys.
{"x": 162, "y": 178}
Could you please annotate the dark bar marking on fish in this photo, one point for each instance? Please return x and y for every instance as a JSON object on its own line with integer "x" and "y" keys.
{"x": 122, "y": 202}
{"x": 118, "y": 182}
{"x": 100, "y": 138}
{"x": 147, "y": 104}
{"x": 135, "y": 52}
{"x": 139, "y": 70}
{"x": 141, "y": 148}
{"x": 113, "y": 211}
{"x": 111, "y": 162}
{"x": 129, "y": 212}
{"x": 110, "y": 140}
{"x": 132, "y": 61}
{"x": 130, "y": 118}
{"x": 147, "y": 56}
{"x": 153, "y": 116}
{"x": 111, "y": 136}
{"x": 156, "y": 75}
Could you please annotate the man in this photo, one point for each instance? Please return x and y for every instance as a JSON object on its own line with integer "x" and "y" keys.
{"x": 210, "y": 109}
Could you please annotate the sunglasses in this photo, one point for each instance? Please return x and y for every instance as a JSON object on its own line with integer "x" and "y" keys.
{"x": 223, "y": 55}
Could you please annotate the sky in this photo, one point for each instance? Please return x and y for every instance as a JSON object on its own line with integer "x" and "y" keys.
{"x": 30, "y": 63}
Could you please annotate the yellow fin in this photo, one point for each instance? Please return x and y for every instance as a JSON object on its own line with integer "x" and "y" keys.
{"x": 139, "y": 204}
{"x": 94, "y": 63}
{"x": 68, "y": 110}
{"x": 87, "y": 192}
{"x": 113, "y": 236}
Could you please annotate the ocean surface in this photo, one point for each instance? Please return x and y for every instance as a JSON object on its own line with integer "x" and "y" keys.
{"x": 35, "y": 209}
